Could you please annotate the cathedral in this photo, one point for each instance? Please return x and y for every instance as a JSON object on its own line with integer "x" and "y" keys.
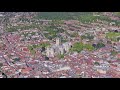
{"x": 58, "y": 48}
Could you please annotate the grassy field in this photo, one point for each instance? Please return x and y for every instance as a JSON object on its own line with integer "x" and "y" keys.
{"x": 33, "y": 47}
{"x": 112, "y": 35}
{"x": 117, "y": 14}
{"x": 78, "y": 47}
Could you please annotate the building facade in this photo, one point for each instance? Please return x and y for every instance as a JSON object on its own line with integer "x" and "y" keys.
{"x": 58, "y": 48}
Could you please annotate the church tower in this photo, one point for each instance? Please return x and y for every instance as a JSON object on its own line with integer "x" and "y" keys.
{"x": 48, "y": 52}
{"x": 58, "y": 41}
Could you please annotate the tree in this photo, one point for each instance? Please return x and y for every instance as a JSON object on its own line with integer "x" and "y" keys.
{"x": 46, "y": 58}
{"x": 109, "y": 42}
{"x": 90, "y": 37}
{"x": 97, "y": 63}
{"x": 42, "y": 49}
{"x": 60, "y": 30}
{"x": 1, "y": 64}
{"x": 75, "y": 34}
{"x": 94, "y": 45}
{"x": 100, "y": 45}
{"x": 116, "y": 31}
{"x": 87, "y": 36}
{"x": 34, "y": 46}
{"x": 113, "y": 52}
{"x": 118, "y": 38}
{"x": 4, "y": 75}
{"x": 83, "y": 37}
{"x": 16, "y": 59}
{"x": 50, "y": 38}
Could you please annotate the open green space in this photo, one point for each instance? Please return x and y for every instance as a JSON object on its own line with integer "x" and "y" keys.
{"x": 33, "y": 47}
{"x": 60, "y": 56}
{"x": 112, "y": 35}
{"x": 87, "y": 36}
{"x": 60, "y": 15}
{"x": 22, "y": 27}
{"x": 78, "y": 47}
{"x": 52, "y": 32}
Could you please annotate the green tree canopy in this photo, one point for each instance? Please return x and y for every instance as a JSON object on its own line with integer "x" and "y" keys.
{"x": 87, "y": 36}
{"x": 100, "y": 45}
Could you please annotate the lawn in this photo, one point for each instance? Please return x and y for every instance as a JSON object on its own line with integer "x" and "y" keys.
{"x": 33, "y": 47}
{"x": 112, "y": 35}
{"x": 78, "y": 47}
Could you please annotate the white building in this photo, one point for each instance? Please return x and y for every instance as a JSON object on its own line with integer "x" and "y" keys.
{"x": 67, "y": 46}
{"x": 50, "y": 52}
{"x": 61, "y": 49}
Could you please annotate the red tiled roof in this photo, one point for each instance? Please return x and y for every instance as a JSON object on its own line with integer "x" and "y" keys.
{"x": 113, "y": 65}
{"x": 26, "y": 70}
{"x": 25, "y": 49}
{"x": 118, "y": 55}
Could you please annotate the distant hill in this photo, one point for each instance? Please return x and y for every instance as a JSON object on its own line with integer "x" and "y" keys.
{"x": 61, "y": 15}
{"x": 84, "y": 17}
